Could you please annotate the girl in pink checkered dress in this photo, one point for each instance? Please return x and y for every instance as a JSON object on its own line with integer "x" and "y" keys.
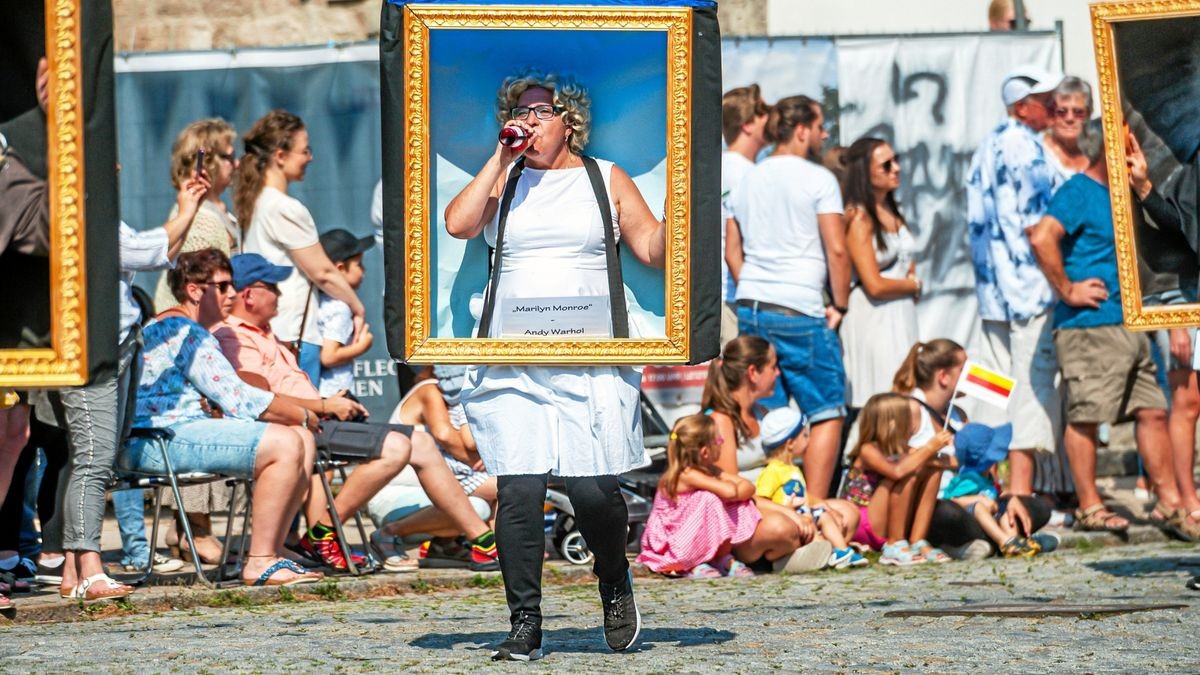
{"x": 704, "y": 519}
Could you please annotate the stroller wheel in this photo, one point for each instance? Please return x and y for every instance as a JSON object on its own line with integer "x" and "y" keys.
{"x": 574, "y": 549}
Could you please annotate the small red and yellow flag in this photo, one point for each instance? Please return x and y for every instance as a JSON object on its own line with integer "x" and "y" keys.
{"x": 986, "y": 385}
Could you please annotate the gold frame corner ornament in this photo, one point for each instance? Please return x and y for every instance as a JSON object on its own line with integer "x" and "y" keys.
{"x": 65, "y": 362}
{"x": 1104, "y": 16}
{"x": 418, "y": 22}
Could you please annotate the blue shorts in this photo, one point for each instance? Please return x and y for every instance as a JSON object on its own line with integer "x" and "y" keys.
{"x": 810, "y": 362}
{"x": 224, "y": 446}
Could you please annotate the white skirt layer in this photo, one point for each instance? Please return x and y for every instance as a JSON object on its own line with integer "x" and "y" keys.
{"x": 569, "y": 421}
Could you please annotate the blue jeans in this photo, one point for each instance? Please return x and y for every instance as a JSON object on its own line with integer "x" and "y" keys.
{"x": 810, "y": 362}
{"x": 224, "y": 446}
{"x": 129, "y": 506}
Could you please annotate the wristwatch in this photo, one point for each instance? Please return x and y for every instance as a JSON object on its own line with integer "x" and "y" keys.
{"x": 3, "y": 150}
{"x": 841, "y": 310}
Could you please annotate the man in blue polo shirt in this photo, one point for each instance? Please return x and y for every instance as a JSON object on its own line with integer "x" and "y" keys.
{"x": 1107, "y": 370}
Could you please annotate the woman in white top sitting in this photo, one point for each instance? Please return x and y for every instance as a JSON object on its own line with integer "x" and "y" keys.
{"x": 882, "y": 322}
{"x": 580, "y": 423}
{"x": 280, "y": 229}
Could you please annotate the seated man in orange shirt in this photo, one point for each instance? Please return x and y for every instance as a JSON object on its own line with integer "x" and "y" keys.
{"x": 381, "y": 450}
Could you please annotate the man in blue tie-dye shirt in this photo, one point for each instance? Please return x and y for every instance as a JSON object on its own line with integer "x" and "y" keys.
{"x": 1008, "y": 189}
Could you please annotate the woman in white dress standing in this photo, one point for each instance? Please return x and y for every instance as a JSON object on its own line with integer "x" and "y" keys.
{"x": 580, "y": 423}
{"x": 882, "y": 322}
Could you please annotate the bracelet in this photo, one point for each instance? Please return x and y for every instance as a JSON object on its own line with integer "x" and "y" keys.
{"x": 305, "y": 422}
{"x": 840, "y": 310}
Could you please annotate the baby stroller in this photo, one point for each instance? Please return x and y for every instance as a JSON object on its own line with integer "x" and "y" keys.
{"x": 563, "y": 536}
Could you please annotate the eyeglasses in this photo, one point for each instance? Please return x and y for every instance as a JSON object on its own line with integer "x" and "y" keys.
{"x": 889, "y": 165}
{"x": 306, "y": 152}
{"x": 228, "y": 157}
{"x": 274, "y": 288}
{"x": 543, "y": 112}
{"x": 1066, "y": 113}
{"x": 222, "y": 286}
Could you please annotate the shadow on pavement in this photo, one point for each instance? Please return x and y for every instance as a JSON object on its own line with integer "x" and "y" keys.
{"x": 580, "y": 640}
{"x": 1138, "y": 567}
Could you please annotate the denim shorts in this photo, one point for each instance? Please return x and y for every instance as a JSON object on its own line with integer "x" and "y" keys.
{"x": 810, "y": 362}
{"x": 224, "y": 446}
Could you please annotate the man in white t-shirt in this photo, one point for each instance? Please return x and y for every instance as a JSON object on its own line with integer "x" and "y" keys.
{"x": 743, "y": 119}
{"x": 789, "y": 209}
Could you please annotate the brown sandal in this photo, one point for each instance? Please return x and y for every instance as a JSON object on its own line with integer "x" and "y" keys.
{"x": 1175, "y": 523}
{"x": 1097, "y": 518}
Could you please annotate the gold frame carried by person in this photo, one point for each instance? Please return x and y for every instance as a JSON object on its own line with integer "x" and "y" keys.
{"x": 1149, "y": 67}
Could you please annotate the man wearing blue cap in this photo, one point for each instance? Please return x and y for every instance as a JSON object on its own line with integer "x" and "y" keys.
{"x": 1009, "y": 186}
{"x": 381, "y": 450}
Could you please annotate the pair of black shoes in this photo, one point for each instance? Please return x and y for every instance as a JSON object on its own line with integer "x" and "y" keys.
{"x": 622, "y": 623}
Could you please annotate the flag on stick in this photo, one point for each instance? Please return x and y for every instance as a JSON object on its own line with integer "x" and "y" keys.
{"x": 986, "y": 385}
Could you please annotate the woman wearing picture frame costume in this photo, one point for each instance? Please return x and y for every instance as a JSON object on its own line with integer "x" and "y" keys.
{"x": 542, "y": 206}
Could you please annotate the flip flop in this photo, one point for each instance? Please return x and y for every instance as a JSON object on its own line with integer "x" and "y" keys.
{"x": 304, "y": 576}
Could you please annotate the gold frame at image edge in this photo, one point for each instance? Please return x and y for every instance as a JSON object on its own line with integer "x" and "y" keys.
{"x": 420, "y": 348}
{"x": 1104, "y": 15}
{"x": 65, "y": 363}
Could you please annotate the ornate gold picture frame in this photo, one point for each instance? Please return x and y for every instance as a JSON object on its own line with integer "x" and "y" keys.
{"x": 417, "y": 210}
{"x": 1148, "y": 59}
{"x": 65, "y": 361}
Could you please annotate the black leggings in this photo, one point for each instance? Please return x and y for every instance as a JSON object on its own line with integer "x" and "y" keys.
{"x": 600, "y": 514}
{"x": 953, "y": 526}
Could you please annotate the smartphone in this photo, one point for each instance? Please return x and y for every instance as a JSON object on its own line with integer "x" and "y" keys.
{"x": 199, "y": 161}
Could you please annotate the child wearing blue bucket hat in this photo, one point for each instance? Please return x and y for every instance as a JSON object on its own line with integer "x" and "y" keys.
{"x": 978, "y": 448}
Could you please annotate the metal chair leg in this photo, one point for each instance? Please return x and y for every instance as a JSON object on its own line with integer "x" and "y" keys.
{"x": 337, "y": 521}
{"x": 183, "y": 519}
{"x": 362, "y": 530}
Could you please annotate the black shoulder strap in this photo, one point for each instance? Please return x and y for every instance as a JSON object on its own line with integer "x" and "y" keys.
{"x": 489, "y": 304}
{"x": 938, "y": 417}
{"x": 616, "y": 286}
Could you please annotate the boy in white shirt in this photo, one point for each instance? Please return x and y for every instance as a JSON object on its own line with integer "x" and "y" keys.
{"x": 335, "y": 322}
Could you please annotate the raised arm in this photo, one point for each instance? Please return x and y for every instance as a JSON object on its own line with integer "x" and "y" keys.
{"x": 476, "y": 205}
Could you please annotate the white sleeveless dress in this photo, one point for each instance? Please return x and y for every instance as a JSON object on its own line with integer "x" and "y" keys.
{"x": 877, "y": 334}
{"x": 565, "y": 420}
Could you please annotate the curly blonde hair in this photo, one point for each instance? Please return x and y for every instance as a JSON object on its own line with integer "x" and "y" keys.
{"x": 569, "y": 95}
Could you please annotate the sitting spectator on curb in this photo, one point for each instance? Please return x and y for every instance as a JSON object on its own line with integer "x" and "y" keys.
{"x": 887, "y": 479}
{"x": 381, "y": 450}
{"x": 260, "y": 436}
{"x": 1108, "y": 370}
{"x": 979, "y": 448}
{"x": 402, "y": 510}
{"x": 785, "y": 440}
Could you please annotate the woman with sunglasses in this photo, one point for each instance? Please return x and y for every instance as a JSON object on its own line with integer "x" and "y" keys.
{"x": 580, "y": 423}
{"x": 882, "y": 322}
{"x": 214, "y": 227}
{"x": 1071, "y": 111}
{"x": 279, "y": 228}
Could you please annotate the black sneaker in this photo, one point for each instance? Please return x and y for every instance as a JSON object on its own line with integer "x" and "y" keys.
{"x": 524, "y": 641}
{"x": 622, "y": 621}
{"x": 1194, "y": 584}
{"x": 455, "y": 553}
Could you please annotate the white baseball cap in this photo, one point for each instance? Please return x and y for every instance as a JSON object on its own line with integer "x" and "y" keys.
{"x": 779, "y": 426}
{"x": 1026, "y": 81}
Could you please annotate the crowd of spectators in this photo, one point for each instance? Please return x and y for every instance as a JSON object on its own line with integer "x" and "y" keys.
{"x": 828, "y": 430}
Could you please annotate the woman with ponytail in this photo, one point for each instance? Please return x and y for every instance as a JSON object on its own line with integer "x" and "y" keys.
{"x": 789, "y": 208}
{"x": 281, "y": 229}
{"x": 883, "y": 301}
{"x": 744, "y": 375}
{"x": 929, "y": 375}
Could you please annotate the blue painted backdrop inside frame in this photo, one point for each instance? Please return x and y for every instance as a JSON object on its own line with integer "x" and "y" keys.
{"x": 625, "y": 74}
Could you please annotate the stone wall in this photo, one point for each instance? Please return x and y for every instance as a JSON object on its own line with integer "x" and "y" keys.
{"x": 167, "y": 25}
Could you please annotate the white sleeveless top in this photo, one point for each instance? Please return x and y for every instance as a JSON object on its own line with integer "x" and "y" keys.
{"x": 566, "y": 420}
{"x": 554, "y": 237}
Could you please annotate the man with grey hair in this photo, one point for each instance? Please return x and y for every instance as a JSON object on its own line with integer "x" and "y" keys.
{"x": 1009, "y": 186}
{"x": 1108, "y": 370}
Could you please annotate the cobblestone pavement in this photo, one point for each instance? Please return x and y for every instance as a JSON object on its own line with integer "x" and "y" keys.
{"x": 831, "y": 621}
